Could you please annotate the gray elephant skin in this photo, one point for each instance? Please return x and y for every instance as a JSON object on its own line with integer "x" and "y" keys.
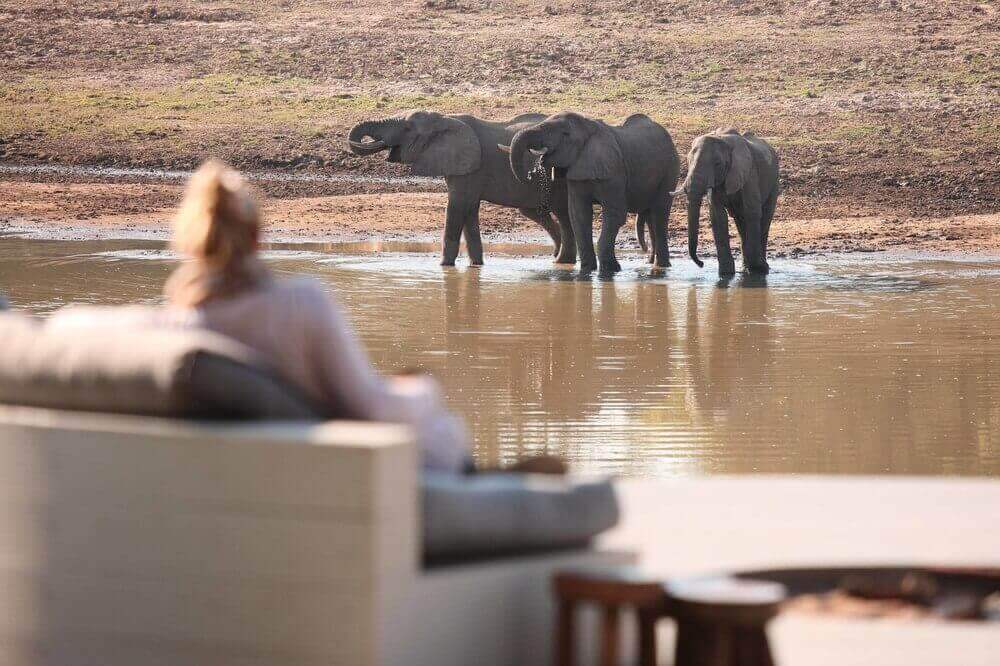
{"x": 464, "y": 150}
{"x": 628, "y": 168}
{"x": 739, "y": 174}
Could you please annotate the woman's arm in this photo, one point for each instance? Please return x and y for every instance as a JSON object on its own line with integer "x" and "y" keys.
{"x": 350, "y": 382}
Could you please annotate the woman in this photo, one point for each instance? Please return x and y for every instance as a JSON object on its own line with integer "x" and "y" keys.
{"x": 292, "y": 321}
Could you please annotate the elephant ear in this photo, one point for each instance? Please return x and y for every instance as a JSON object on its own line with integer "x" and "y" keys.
{"x": 599, "y": 159}
{"x": 740, "y": 163}
{"x": 446, "y": 147}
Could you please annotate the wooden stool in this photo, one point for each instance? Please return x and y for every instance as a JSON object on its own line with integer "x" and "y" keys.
{"x": 612, "y": 590}
{"x": 721, "y": 621}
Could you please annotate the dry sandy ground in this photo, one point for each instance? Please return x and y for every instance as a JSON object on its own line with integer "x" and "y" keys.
{"x": 886, "y": 113}
{"x": 886, "y": 108}
{"x": 143, "y": 211}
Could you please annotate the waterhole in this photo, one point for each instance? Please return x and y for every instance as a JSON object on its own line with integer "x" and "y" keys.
{"x": 842, "y": 365}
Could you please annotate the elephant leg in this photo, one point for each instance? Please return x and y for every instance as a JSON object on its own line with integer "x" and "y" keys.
{"x": 473, "y": 239}
{"x": 720, "y": 232}
{"x": 544, "y": 220}
{"x": 753, "y": 237}
{"x": 765, "y": 222}
{"x": 613, "y": 218}
{"x": 741, "y": 228}
{"x": 567, "y": 249}
{"x": 459, "y": 210}
{"x": 659, "y": 219}
{"x": 452, "y": 237}
{"x": 581, "y": 215}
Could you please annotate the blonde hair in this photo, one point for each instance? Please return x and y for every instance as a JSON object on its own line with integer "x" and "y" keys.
{"x": 217, "y": 226}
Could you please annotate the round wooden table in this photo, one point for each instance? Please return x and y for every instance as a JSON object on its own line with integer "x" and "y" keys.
{"x": 721, "y": 621}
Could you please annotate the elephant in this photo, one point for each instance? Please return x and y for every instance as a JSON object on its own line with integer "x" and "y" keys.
{"x": 463, "y": 149}
{"x": 628, "y": 168}
{"x": 739, "y": 173}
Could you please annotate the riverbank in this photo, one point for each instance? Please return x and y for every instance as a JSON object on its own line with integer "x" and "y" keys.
{"x": 884, "y": 109}
{"x": 78, "y": 210}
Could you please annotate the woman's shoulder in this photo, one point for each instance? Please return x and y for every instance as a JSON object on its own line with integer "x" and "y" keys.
{"x": 297, "y": 299}
{"x": 299, "y": 288}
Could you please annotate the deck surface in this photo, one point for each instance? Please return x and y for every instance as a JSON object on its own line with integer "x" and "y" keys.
{"x": 711, "y": 524}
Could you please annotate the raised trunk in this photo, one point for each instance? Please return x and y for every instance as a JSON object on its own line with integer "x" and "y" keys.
{"x": 369, "y": 128}
{"x": 694, "y": 212}
{"x": 523, "y": 141}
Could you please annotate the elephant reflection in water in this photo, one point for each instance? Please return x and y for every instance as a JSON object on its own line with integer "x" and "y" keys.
{"x": 524, "y": 360}
{"x": 827, "y": 396}
{"x": 730, "y": 349}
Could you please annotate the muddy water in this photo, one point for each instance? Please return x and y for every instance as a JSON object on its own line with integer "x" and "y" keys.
{"x": 860, "y": 366}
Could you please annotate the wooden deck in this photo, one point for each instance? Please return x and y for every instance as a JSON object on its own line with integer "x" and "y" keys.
{"x": 724, "y": 523}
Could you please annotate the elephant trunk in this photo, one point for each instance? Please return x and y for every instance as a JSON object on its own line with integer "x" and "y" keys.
{"x": 694, "y": 212}
{"x": 519, "y": 146}
{"x": 369, "y": 128}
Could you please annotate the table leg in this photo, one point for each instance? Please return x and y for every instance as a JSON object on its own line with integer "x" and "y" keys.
{"x": 609, "y": 636}
{"x": 565, "y": 652}
{"x": 709, "y": 644}
{"x": 647, "y": 638}
{"x": 752, "y": 648}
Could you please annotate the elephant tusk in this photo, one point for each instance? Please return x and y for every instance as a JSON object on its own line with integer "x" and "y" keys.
{"x": 369, "y": 145}
{"x": 677, "y": 193}
{"x": 503, "y": 148}
{"x": 538, "y": 153}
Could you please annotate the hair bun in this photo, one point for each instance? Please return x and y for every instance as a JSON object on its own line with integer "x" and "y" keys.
{"x": 218, "y": 221}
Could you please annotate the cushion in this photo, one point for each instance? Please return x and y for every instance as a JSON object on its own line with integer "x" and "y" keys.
{"x": 175, "y": 372}
{"x": 477, "y": 516}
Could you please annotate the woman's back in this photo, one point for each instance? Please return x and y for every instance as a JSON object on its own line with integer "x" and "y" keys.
{"x": 298, "y": 327}
{"x": 277, "y": 319}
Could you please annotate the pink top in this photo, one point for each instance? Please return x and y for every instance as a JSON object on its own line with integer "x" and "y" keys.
{"x": 299, "y": 328}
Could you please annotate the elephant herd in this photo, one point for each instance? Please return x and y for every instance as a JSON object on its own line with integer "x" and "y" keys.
{"x": 563, "y": 164}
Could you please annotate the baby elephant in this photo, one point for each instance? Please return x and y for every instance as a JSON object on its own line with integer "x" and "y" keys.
{"x": 739, "y": 172}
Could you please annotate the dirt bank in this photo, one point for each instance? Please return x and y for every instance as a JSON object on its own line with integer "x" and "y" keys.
{"x": 878, "y": 107}
{"x": 89, "y": 210}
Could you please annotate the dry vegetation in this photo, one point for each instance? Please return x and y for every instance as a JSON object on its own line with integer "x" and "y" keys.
{"x": 878, "y": 107}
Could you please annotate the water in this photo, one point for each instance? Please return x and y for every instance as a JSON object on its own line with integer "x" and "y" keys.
{"x": 854, "y": 365}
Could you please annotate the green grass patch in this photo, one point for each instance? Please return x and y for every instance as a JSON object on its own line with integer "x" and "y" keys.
{"x": 710, "y": 70}
{"x": 57, "y": 107}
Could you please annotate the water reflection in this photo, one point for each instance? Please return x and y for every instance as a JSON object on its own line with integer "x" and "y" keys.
{"x": 555, "y": 367}
{"x": 823, "y": 367}
{"x": 875, "y": 385}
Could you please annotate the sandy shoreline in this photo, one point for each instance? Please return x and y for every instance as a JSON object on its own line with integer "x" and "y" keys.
{"x": 73, "y": 211}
